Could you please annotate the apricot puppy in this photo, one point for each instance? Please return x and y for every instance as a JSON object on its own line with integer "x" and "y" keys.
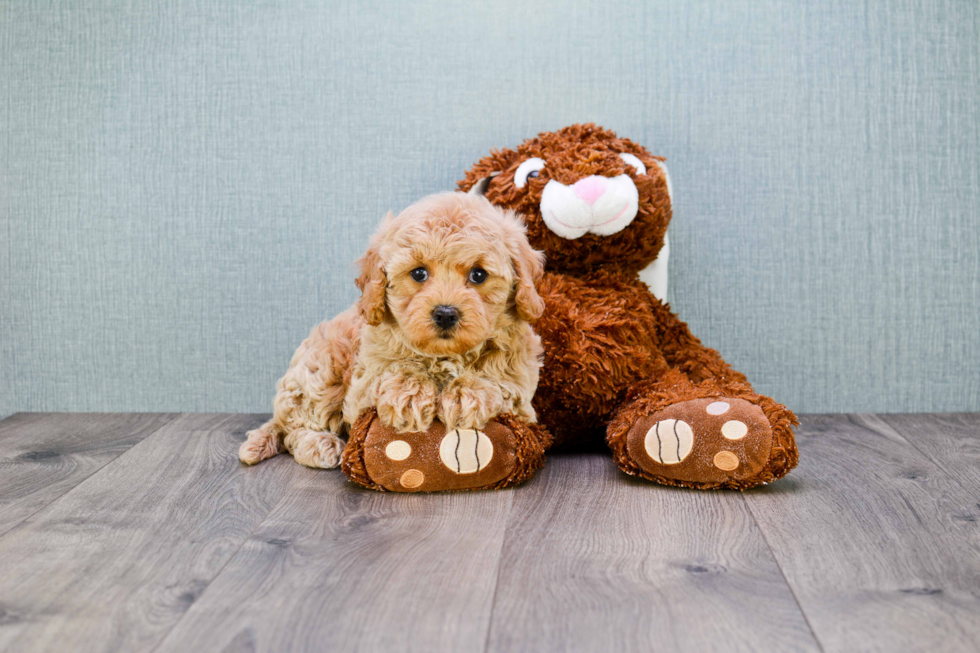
{"x": 442, "y": 330}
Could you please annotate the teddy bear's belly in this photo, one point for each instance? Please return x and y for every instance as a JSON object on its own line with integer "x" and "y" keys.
{"x": 598, "y": 339}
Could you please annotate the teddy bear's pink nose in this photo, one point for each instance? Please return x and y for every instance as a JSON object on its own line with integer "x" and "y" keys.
{"x": 590, "y": 189}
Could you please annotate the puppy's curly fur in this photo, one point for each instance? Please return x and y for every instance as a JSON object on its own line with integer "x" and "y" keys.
{"x": 389, "y": 350}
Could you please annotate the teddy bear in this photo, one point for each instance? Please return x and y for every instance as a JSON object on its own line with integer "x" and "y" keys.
{"x": 618, "y": 362}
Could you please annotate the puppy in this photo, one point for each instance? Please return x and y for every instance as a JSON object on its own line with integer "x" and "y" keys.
{"x": 442, "y": 330}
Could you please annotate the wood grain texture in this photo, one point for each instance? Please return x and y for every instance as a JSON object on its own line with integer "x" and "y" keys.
{"x": 339, "y": 568}
{"x": 597, "y": 561}
{"x": 113, "y": 564}
{"x": 42, "y": 456}
{"x": 952, "y": 441}
{"x": 879, "y": 542}
{"x": 872, "y": 544}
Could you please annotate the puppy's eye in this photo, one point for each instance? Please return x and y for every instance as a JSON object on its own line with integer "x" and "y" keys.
{"x": 419, "y": 274}
{"x": 478, "y": 275}
{"x": 634, "y": 162}
{"x": 530, "y": 168}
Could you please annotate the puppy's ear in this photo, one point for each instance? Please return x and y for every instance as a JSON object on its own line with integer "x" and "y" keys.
{"x": 373, "y": 281}
{"x": 529, "y": 266}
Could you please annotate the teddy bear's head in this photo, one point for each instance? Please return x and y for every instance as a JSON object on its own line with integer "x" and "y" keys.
{"x": 589, "y": 198}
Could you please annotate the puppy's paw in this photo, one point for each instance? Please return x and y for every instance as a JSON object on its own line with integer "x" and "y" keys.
{"x": 407, "y": 403}
{"x": 469, "y": 402}
{"x": 259, "y": 445}
{"x": 318, "y": 449}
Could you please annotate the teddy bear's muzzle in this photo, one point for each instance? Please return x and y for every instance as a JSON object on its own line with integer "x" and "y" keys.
{"x": 594, "y": 204}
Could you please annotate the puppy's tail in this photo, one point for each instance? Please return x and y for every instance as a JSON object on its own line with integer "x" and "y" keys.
{"x": 264, "y": 442}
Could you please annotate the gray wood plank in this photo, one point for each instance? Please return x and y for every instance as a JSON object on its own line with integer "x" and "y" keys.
{"x": 114, "y": 563}
{"x": 871, "y": 535}
{"x": 950, "y": 440}
{"x": 43, "y": 455}
{"x": 339, "y": 568}
{"x": 597, "y": 561}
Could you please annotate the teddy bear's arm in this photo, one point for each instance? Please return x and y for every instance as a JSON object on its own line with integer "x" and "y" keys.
{"x": 686, "y": 352}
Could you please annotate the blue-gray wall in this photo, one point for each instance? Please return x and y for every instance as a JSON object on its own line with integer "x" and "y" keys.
{"x": 184, "y": 185}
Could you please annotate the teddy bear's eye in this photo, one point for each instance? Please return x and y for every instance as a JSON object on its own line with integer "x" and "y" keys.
{"x": 529, "y": 168}
{"x": 478, "y": 275}
{"x": 634, "y": 162}
{"x": 419, "y": 274}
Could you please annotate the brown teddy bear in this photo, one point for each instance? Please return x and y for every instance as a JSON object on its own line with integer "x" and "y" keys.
{"x": 617, "y": 360}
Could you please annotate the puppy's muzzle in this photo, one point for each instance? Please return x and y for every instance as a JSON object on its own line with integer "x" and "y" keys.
{"x": 445, "y": 317}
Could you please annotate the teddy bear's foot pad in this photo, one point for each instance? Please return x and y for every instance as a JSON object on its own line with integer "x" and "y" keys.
{"x": 437, "y": 459}
{"x": 702, "y": 441}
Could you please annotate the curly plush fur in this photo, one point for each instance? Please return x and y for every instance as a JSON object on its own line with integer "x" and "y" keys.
{"x": 615, "y": 355}
{"x": 389, "y": 354}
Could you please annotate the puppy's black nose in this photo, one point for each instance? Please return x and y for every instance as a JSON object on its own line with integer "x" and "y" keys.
{"x": 445, "y": 317}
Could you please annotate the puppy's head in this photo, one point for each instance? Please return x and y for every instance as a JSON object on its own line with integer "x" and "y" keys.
{"x": 448, "y": 272}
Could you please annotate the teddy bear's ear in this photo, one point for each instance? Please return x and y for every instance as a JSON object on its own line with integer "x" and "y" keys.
{"x": 663, "y": 167}
{"x": 655, "y": 274}
{"x": 480, "y": 187}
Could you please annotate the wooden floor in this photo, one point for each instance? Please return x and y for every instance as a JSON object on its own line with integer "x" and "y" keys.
{"x": 143, "y": 533}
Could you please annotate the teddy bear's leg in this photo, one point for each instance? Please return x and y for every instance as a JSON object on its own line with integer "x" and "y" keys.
{"x": 701, "y": 424}
{"x": 706, "y": 435}
{"x": 506, "y": 452}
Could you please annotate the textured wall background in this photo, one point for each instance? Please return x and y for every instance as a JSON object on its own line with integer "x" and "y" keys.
{"x": 185, "y": 185}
